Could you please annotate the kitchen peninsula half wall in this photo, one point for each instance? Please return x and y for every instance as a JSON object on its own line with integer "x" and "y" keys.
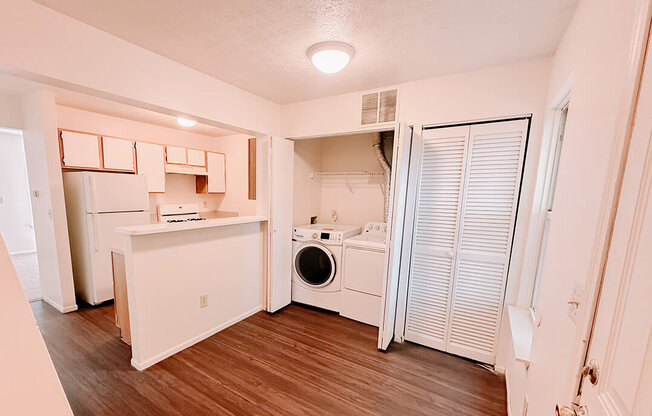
{"x": 187, "y": 281}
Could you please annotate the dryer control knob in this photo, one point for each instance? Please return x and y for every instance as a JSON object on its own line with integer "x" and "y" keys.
{"x": 315, "y": 235}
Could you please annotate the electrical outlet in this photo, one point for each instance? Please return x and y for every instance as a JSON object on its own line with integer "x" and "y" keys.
{"x": 203, "y": 301}
{"x": 205, "y": 204}
{"x": 575, "y": 302}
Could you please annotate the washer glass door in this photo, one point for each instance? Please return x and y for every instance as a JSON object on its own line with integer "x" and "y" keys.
{"x": 315, "y": 265}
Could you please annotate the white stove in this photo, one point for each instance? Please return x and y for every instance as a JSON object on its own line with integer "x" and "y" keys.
{"x": 174, "y": 213}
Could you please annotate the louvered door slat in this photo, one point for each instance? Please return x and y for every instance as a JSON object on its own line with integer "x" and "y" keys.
{"x": 493, "y": 176}
{"x": 442, "y": 160}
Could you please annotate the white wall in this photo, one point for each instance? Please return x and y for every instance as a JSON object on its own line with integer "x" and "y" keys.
{"x": 178, "y": 188}
{"x": 28, "y": 381}
{"x": 307, "y": 191}
{"x": 49, "y": 209}
{"x": 236, "y": 197}
{"x": 10, "y": 113}
{"x": 68, "y": 53}
{"x": 16, "y": 223}
{"x": 168, "y": 272}
{"x": 597, "y": 60}
{"x": 320, "y": 197}
{"x": 500, "y": 91}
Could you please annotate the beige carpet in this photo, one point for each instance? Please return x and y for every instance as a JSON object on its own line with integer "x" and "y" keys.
{"x": 27, "y": 269}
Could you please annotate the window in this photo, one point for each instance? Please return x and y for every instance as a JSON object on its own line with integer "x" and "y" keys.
{"x": 550, "y": 192}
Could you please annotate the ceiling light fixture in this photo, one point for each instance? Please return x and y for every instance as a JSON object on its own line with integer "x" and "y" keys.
{"x": 330, "y": 57}
{"x": 185, "y": 122}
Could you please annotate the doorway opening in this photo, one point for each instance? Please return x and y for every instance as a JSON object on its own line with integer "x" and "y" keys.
{"x": 16, "y": 219}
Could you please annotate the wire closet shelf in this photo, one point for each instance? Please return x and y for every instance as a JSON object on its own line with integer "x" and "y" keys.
{"x": 349, "y": 175}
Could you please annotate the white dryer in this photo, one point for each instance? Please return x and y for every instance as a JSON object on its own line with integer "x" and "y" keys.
{"x": 364, "y": 268}
{"x": 317, "y": 263}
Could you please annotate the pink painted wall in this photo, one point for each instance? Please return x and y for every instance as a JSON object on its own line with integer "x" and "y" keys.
{"x": 595, "y": 53}
{"x": 29, "y": 384}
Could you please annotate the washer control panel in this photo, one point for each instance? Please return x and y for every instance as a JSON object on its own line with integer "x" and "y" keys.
{"x": 333, "y": 234}
{"x": 325, "y": 236}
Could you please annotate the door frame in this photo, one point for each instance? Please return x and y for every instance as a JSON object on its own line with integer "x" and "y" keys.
{"x": 408, "y": 230}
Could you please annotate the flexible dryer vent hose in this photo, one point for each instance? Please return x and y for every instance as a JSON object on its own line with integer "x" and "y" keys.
{"x": 388, "y": 177}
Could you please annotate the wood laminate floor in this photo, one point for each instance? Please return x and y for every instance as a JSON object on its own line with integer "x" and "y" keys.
{"x": 299, "y": 361}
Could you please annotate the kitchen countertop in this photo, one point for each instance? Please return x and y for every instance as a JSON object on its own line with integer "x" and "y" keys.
{"x": 157, "y": 228}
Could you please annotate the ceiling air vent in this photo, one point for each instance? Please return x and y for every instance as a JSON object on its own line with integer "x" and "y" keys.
{"x": 379, "y": 107}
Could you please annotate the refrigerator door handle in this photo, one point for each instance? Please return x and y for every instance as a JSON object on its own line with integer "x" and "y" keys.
{"x": 91, "y": 193}
{"x": 96, "y": 239}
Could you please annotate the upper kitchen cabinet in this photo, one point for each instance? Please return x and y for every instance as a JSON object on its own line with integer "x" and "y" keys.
{"x": 185, "y": 161}
{"x": 118, "y": 154}
{"x": 216, "y": 172}
{"x": 80, "y": 150}
{"x": 150, "y": 159}
{"x": 215, "y": 181}
{"x": 176, "y": 155}
{"x": 196, "y": 157}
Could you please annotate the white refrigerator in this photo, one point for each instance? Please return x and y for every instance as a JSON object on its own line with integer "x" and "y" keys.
{"x": 97, "y": 203}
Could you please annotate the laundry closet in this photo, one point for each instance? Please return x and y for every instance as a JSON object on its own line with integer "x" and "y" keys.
{"x": 340, "y": 195}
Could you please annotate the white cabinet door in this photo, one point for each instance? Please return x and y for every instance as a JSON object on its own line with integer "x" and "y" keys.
{"x": 118, "y": 154}
{"x": 196, "y": 157}
{"x": 80, "y": 150}
{"x": 177, "y": 155}
{"x": 150, "y": 159}
{"x": 216, "y": 173}
{"x": 279, "y": 288}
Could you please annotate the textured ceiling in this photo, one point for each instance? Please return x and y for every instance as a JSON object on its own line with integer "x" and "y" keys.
{"x": 260, "y": 45}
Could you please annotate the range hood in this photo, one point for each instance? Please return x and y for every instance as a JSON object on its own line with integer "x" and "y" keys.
{"x": 186, "y": 169}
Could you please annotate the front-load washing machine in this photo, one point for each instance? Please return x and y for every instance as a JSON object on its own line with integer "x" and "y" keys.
{"x": 317, "y": 263}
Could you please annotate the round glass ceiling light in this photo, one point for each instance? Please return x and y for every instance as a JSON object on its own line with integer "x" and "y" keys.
{"x": 330, "y": 57}
{"x": 185, "y": 122}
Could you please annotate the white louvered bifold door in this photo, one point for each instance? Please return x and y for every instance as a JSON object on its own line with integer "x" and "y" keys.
{"x": 492, "y": 184}
{"x": 437, "y": 212}
{"x": 466, "y": 208}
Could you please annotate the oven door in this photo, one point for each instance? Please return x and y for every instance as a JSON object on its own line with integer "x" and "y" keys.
{"x": 315, "y": 265}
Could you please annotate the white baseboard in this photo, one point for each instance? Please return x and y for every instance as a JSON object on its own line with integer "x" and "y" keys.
{"x": 18, "y": 253}
{"x": 59, "y": 307}
{"x": 140, "y": 366}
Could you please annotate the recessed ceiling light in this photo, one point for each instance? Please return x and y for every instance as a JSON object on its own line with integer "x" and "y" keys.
{"x": 330, "y": 57}
{"x": 185, "y": 122}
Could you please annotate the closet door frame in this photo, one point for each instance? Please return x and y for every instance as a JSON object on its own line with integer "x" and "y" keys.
{"x": 412, "y": 194}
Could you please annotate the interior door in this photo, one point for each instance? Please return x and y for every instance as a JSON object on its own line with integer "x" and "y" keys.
{"x": 621, "y": 343}
{"x": 395, "y": 220}
{"x": 279, "y": 287}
